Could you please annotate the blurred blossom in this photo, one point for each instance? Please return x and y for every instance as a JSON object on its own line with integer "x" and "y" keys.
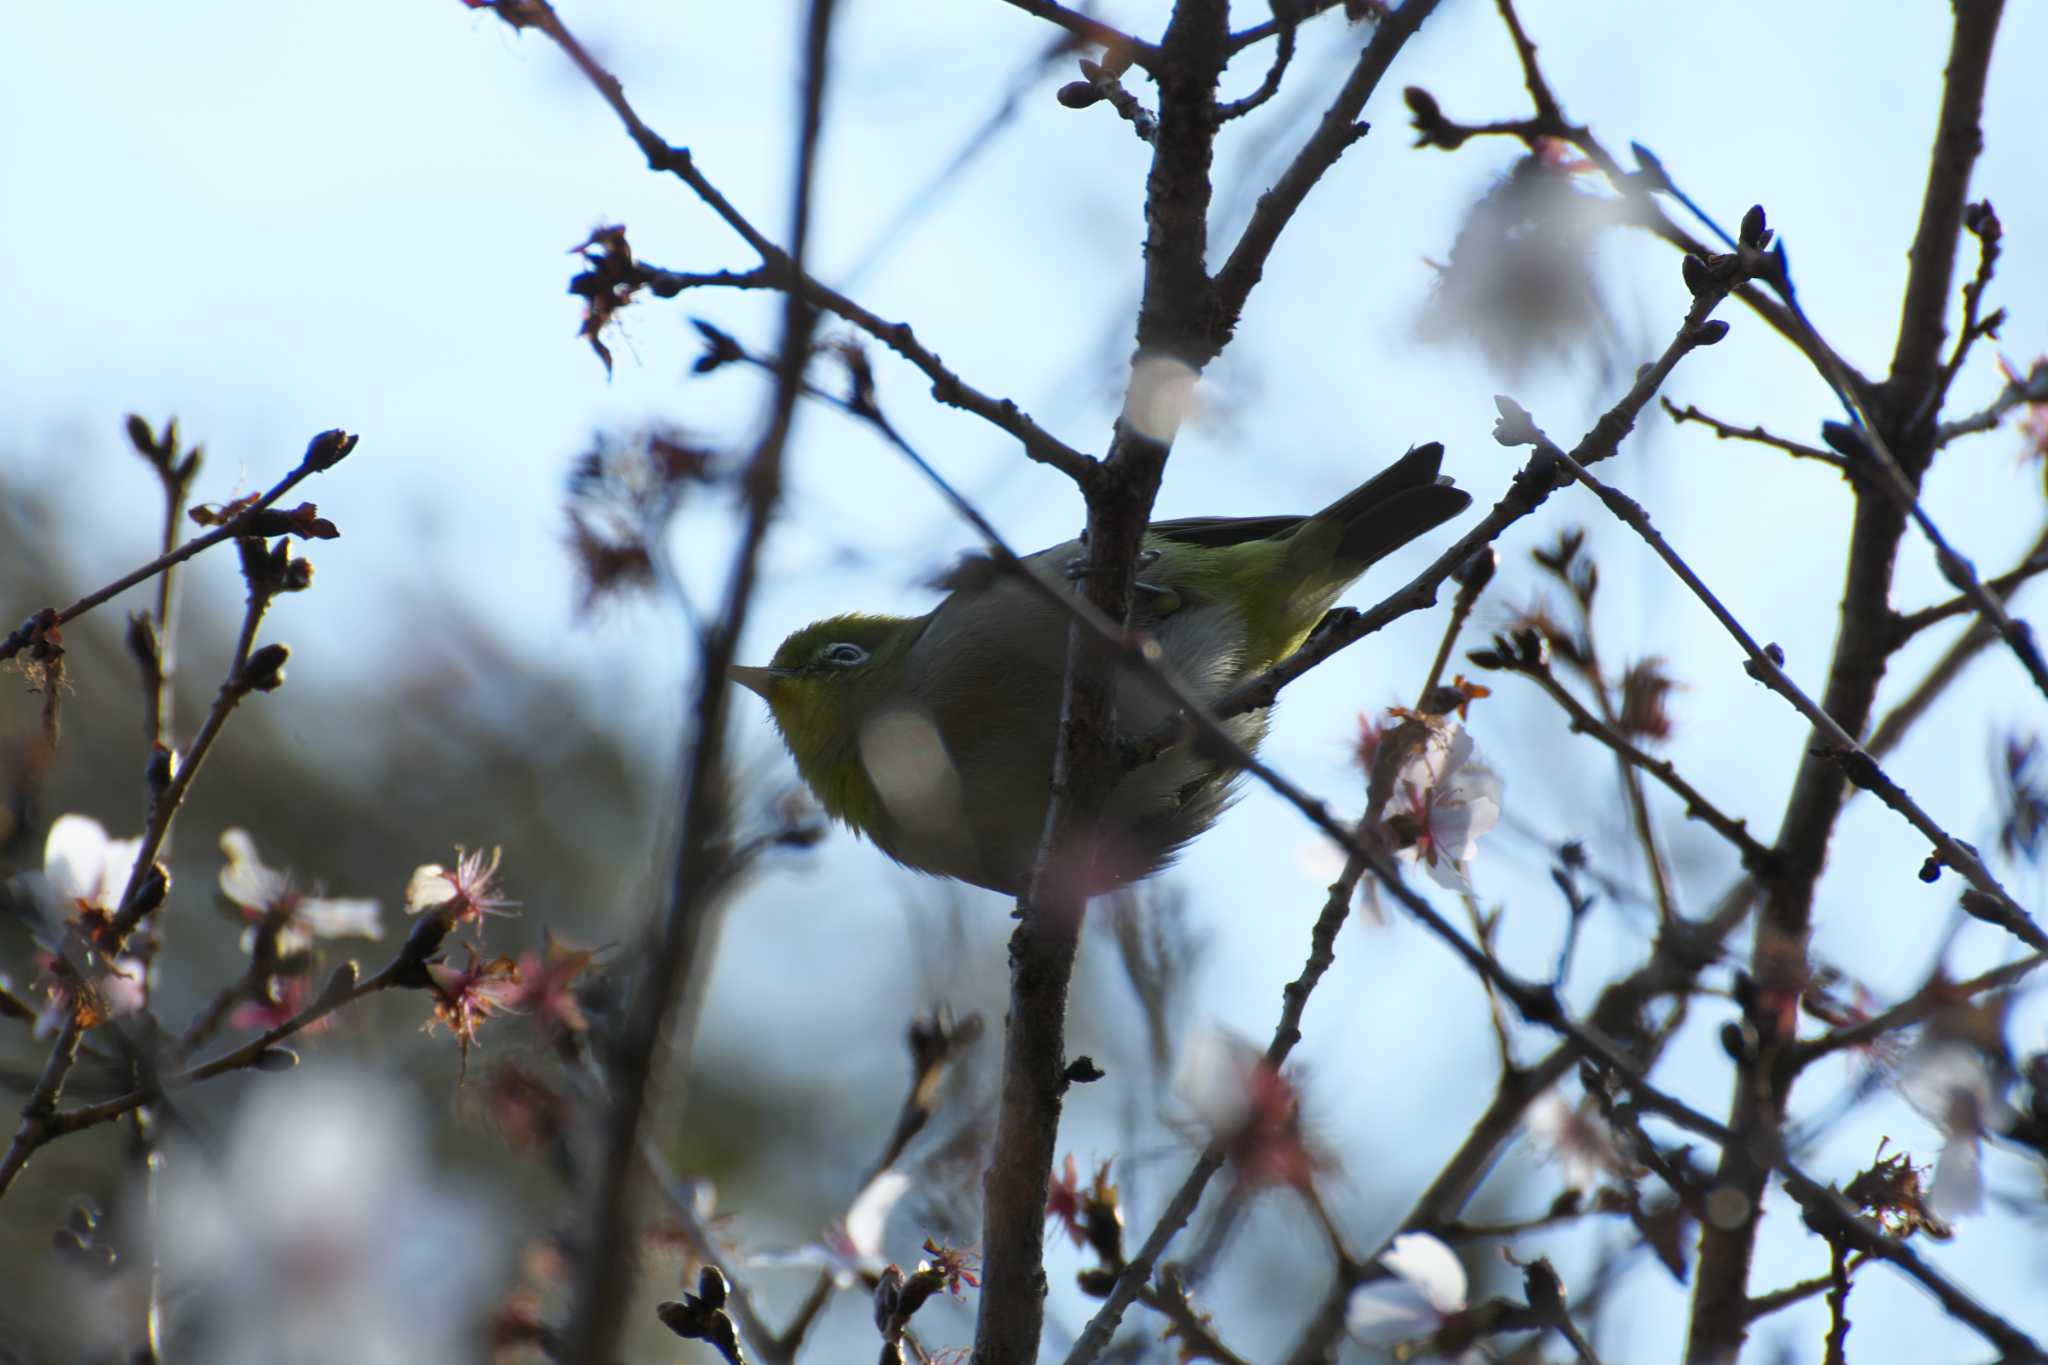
{"x": 1426, "y": 1293}
{"x": 465, "y": 996}
{"x": 1957, "y": 1084}
{"x": 2022, "y": 779}
{"x": 463, "y": 894}
{"x": 321, "y": 1236}
{"x": 1644, "y": 690}
{"x": 265, "y": 896}
{"x": 1519, "y": 284}
{"x": 122, "y": 988}
{"x": 1446, "y": 797}
{"x": 282, "y": 999}
{"x": 85, "y": 869}
{"x": 852, "y": 1247}
{"x": 528, "y": 1111}
{"x": 547, "y": 986}
{"x": 2033, "y": 421}
{"x": 1244, "y": 1101}
{"x": 1893, "y": 1191}
{"x": 1092, "y": 1216}
{"x": 1577, "y": 1138}
{"x": 1161, "y": 396}
{"x": 1839, "y": 1003}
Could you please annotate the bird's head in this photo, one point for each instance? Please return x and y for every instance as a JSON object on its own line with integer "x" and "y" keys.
{"x": 823, "y": 682}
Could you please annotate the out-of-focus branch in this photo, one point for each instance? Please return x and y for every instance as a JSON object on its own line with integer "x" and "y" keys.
{"x": 1300, "y": 12}
{"x": 2034, "y": 563}
{"x": 702, "y": 866}
{"x": 947, "y": 386}
{"x": 1137, "y": 1272}
{"x": 342, "y": 989}
{"x": 1911, "y": 1011}
{"x": 1283, "y": 54}
{"x": 1903, "y": 490}
{"x": 1198, "y": 1339}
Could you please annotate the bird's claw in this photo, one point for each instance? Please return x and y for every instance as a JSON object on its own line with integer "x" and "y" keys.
{"x": 1078, "y": 567}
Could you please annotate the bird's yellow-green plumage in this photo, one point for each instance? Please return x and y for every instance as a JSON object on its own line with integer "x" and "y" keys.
{"x": 934, "y": 735}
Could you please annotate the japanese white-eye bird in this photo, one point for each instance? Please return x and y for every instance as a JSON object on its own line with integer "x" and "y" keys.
{"x": 934, "y": 735}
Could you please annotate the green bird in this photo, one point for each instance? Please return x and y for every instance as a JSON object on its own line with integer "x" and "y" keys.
{"x": 934, "y": 735}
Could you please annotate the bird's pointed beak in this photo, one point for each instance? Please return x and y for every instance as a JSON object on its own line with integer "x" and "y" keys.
{"x": 755, "y": 680}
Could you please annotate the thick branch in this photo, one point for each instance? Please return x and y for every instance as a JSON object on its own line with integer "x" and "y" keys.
{"x": 1916, "y": 359}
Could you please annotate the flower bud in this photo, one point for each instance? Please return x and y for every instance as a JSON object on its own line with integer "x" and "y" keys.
{"x": 265, "y": 669}
{"x": 328, "y": 449}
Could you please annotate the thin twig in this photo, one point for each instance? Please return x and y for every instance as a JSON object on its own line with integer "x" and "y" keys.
{"x": 1765, "y": 666}
{"x": 1338, "y": 128}
{"x": 342, "y": 989}
{"x": 2036, "y": 562}
{"x": 779, "y": 268}
{"x": 321, "y": 455}
{"x": 1090, "y": 30}
{"x": 1728, "y": 431}
{"x": 1269, "y": 28}
{"x": 1270, "y": 86}
{"x": 1756, "y": 857}
{"x": 1531, "y": 486}
{"x": 1911, "y": 1011}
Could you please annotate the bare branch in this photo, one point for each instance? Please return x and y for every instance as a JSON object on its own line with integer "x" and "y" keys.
{"x": 2001, "y": 587}
{"x": 1728, "y": 431}
{"x": 1531, "y": 486}
{"x": 1756, "y": 858}
{"x": 1765, "y": 665}
{"x": 1270, "y": 86}
{"x": 1089, "y": 30}
{"x": 1911, "y": 1011}
{"x": 1337, "y": 130}
{"x": 326, "y": 450}
{"x": 1957, "y": 141}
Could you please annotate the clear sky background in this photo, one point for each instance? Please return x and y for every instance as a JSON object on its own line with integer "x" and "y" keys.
{"x": 271, "y": 219}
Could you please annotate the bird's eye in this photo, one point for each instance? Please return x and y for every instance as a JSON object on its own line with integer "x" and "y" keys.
{"x": 842, "y": 655}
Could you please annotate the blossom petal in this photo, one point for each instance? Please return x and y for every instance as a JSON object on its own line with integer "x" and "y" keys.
{"x": 244, "y": 879}
{"x": 1958, "y": 1188}
{"x": 83, "y": 864}
{"x": 1213, "y": 1081}
{"x": 429, "y": 886}
{"x": 1388, "y": 1311}
{"x": 1433, "y": 1268}
{"x": 354, "y": 917}
{"x": 73, "y": 856}
{"x": 870, "y": 1210}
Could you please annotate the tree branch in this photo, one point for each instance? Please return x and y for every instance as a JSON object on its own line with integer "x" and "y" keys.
{"x": 702, "y": 864}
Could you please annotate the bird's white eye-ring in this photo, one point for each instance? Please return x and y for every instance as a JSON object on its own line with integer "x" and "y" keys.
{"x": 842, "y": 655}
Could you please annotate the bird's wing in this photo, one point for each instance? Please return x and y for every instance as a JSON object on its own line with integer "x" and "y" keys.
{"x": 1221, "y": 531}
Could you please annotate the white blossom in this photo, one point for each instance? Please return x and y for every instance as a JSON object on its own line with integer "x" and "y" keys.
{"x": 1447, "y": 797}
